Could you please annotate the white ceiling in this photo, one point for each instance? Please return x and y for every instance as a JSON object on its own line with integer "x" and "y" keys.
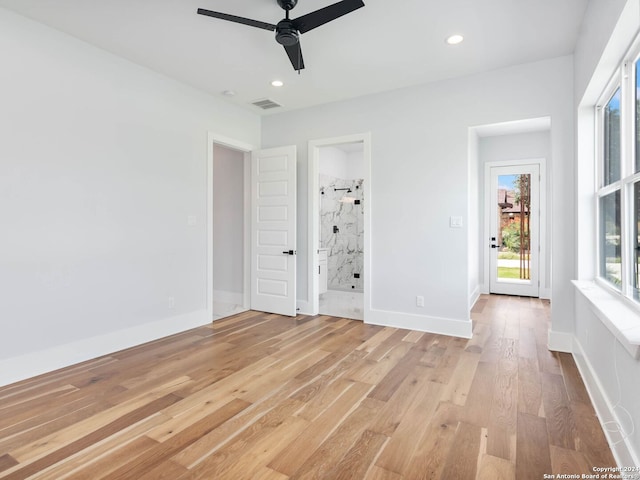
{"x": 386, "y": 45}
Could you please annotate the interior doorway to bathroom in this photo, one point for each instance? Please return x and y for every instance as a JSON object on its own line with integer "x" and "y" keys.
{"x": 339, "y": 215}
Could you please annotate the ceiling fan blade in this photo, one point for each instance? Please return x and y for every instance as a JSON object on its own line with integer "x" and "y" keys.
{"x": 324, "y": 15}
{"x": 295, "y": 55}
{"x": 233, "y": 18}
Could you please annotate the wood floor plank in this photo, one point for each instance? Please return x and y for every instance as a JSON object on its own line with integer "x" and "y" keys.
{"x": 165, "y": 470}
{"x": 529, "y": 387}
{"x": 477, "y": 406}
{"x": 377, "y": 473}
{"x": 429, "y": 458}
{"x": 388, "y": 385}
{"x": 100, "y": 433}
{"x": 558, "y": 412}
{"x": 533, "y": 457}
{"x": 566, "y": 461}
{"x": 394, "y": 410}
{"x": 503, "y": 412}
{"x": 221, "y": 463}
{"x": 461, "y": 463}
{"x": 590, "y": 439}
{"x": 211, "y": 442}
{"x": 263, "y": 397}
{"x": 573, "y": 383}
{"x": 7, "y": 461}
{"x": 457, "y": 388}
{"x": 101, "y": 450}
{"x": 324, "y": 461}
{"x": 188, "y": 435}
{"x": 358, "y": 459}
{"x": 302, "y": 447}
{"x": 494, "y": 468}
{"x": 398, "y": 452}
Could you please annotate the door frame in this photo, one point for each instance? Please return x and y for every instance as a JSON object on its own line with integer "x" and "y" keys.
{"x": 542, "y": 215}
{"x": 245, "y": 148}
{"x": 313, "y": 227}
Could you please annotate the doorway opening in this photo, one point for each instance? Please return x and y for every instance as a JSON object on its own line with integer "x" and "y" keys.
{"x": 339, "y": 221}
{"x": 228, "y": 227}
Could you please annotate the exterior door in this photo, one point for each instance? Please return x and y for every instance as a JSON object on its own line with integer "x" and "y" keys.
{"x": 515, "y": 230}
{"x": 273, "y": 230}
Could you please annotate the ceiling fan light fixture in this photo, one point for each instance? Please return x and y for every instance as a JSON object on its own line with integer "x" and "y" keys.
{"x": 454, "y": 39}
{"x": 288, "y": 30}
{"x": 277, "y": 83}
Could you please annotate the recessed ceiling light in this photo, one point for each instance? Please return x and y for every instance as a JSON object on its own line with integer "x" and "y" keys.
{"x": 277, "y": 83}
{"x": 228, "y": 93}
{"x": 454, "y": 39}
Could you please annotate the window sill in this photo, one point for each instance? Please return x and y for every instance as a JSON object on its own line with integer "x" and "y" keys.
{"x": 621, "y": 319}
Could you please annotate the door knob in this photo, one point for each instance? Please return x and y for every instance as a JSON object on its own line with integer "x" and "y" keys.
{"x": 289, "y": 252}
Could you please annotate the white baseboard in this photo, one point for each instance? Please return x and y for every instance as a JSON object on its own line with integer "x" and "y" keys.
{"x": 36, "y": 363}
{"x": 623, "y": 451}
{"x": 422, "y": 323}
{"x": 543, "y": 293}
{"x": 474, "y": 296}
{"x": 234, "y": 298}
{"x": 560, "y": 342}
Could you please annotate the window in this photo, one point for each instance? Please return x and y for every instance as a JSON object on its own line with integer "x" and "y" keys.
{"x": 618, "y": 193}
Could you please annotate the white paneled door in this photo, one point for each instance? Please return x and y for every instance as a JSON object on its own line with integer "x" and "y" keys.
{"x": 273, "y": 230}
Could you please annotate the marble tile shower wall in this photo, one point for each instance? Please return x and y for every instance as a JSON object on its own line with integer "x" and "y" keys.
{"x": 342, "y": 231}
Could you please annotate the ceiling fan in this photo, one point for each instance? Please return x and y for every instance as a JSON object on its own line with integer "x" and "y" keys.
{"x": 288, "y": 30}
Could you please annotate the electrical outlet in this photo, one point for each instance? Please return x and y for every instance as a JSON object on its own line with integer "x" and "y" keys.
{"x": 192, "y": 220}
{"x": 419, "y": 301}
{"x": 171, "y": 301}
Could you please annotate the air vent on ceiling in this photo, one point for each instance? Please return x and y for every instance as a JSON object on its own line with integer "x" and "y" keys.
{"x": 266, "y": 104}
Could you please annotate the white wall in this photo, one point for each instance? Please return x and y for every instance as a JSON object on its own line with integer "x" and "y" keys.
{"x": 610, "y": 373}
{"x": 101, "y": 164}
{"x": 420, "y": 176}
{"x": 521, "y": 146}
{"x": 355, "y": 165}
{"x": 335, "y": 162}
{"x": 228, "y": 224}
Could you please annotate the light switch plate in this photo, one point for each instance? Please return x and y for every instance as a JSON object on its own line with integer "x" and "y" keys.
{"x": 192, "y": 220}
{"x": 455, "y": 222}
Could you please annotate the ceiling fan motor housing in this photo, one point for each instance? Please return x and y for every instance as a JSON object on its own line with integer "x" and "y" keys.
{"x": 287, "y": 4}
{"x": 286, "y": 34}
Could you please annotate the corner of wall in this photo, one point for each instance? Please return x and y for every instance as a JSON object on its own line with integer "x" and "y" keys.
{"x": 560, "y": 342}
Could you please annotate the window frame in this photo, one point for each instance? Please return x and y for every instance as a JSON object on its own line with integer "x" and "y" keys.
{"x": 625, "y": 79}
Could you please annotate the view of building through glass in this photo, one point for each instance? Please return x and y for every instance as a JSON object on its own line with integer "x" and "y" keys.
{"x": 514, "y": 200}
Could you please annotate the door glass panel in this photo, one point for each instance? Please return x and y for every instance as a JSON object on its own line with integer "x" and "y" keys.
{"x": 514, "y": 248}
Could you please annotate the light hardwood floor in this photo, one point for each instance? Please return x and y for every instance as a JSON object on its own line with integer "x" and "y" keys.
{"x": 260, "y": 396}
